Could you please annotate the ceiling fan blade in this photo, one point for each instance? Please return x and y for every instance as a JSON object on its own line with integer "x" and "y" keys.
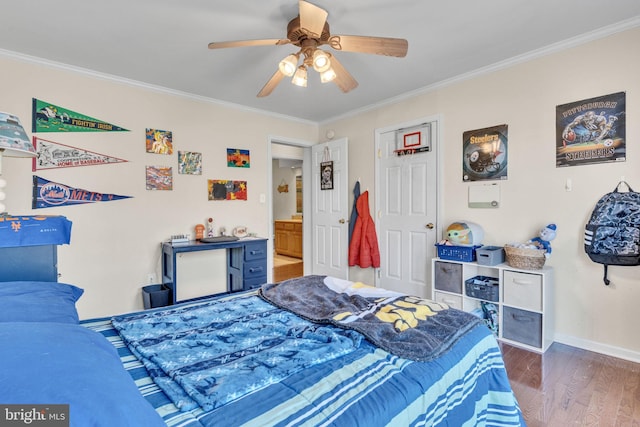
{"x": 376, "y": 45}
{"x": 312, "y": 19}
{"x": 241, "y": 43}
{"x": 343, "y": 80}
{"x": 271, "y": 84}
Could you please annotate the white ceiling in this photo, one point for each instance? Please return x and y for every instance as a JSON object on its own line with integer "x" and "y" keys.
{"x": 163, "y": 43}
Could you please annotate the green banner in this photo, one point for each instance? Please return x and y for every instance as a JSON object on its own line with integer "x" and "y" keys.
{"x": 51, "y": 118}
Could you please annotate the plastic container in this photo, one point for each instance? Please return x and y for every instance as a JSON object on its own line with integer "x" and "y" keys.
{"x": 457, "y": 253}
{"x": 490, "y": 255}
{"x": 154, "y": 296}
{"x": 483, "y": 287}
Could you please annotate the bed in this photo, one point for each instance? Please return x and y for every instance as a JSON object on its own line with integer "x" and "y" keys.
{"x": 313, "y": 351}
{"x": 227, "y": 362}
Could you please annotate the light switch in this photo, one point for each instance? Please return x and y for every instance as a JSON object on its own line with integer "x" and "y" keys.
{"x": 568, "y": 185}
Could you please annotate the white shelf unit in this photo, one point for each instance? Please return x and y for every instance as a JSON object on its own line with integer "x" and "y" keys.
{"x": 525, "y": 299}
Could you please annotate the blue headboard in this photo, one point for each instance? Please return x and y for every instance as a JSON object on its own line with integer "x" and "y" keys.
{"x": 28, "y": 246}
{"x": 37, "y": 263}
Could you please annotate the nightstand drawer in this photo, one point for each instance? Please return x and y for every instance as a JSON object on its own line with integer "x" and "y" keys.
{"x": 453, "y": 301}
{"x": 523, "y": 290}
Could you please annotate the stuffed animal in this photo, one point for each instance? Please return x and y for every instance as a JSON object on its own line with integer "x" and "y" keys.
{"x": 544, "y": 238}
{"x": 464, "y": 233}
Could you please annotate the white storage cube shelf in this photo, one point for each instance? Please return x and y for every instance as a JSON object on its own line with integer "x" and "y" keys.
{"x": 525, "y": 303}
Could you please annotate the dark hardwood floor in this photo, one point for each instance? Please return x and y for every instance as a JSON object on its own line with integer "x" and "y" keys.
{"x": 568, "y": 386}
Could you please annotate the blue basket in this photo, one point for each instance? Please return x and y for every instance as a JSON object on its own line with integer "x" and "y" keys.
{"x": 457, "y": 253}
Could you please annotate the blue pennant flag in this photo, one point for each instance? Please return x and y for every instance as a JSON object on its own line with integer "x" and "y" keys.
{"x": 47, "y": 194}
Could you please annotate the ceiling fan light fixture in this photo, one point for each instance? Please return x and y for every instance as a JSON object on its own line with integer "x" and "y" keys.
{"x": 300, "y": 77}
{"x": 288, "y": 65}
{"x": 321, "y": 61}
{"x": 327, "y": 75}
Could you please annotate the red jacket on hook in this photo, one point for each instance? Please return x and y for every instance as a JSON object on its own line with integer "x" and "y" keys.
{"x": 363, "y": 249}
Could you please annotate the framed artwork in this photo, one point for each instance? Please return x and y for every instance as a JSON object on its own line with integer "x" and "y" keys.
{"x": 591, "y": 131}
{"x": 159, "y": 177}
{"x": 484, "y": 154}
{"x": 225, "y": 189}
{"x": 326, "y": 175}
{"x": 237, "y": 158}
{"x": 159, "y": 141}
{"x": 189, "y": 163}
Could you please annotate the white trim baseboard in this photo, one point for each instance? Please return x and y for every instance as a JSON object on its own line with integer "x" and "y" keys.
{"x": 597, "y": 347}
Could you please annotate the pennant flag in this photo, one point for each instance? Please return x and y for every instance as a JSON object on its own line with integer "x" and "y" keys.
{"x": 51, "y": 118}
{"x": 52, "y": 155}
{"x": 47, "y": 194}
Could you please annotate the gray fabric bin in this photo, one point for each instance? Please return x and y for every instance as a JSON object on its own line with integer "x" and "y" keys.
{"x": 448, "y": 277}
{"x": 522, "y": 326}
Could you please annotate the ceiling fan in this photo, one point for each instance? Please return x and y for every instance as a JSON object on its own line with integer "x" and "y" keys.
{"x": 309, "y": 31}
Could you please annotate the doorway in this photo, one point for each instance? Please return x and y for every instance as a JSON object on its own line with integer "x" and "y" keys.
{"x": 287, "y": 212}
{"x": 288, "y": 201}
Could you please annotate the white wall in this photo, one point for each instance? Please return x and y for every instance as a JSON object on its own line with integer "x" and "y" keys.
{"x": 588, "y": 313}
{"x": 115, "y": 245}
{"x": 284, "y": 204}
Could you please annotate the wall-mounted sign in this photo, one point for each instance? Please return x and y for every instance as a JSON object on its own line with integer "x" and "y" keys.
{"x": 591, "y": 131}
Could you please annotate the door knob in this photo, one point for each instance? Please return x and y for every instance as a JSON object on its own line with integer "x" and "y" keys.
{"x": 342, "y": 221}
{"x": 429, "y": 226}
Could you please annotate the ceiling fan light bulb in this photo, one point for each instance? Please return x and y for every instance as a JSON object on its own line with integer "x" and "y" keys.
{"x": 321, "y": 61}
{"x": 288, "y": 65}
{"x": 327, "y": 75}
{"x": 300, "y": 77}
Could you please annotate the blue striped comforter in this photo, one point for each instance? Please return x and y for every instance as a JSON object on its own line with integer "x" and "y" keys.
{"x": 466, "y": 386}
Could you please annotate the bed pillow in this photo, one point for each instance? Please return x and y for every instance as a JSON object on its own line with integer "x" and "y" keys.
{"x": 58, "y": 363}
{"x": 39, "y": 302}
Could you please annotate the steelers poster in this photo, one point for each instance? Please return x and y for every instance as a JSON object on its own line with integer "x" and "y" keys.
{"x": 591, "y": 131}
{"x": 484, "y": 154}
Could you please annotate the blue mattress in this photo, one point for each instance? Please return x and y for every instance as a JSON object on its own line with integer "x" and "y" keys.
{"x": 466, "y": 386}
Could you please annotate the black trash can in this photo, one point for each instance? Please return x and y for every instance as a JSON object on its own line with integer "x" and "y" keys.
{"x": 154, "y": 296}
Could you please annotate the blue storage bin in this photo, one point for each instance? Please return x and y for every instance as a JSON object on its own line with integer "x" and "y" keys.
{"x": 457, "y": 253}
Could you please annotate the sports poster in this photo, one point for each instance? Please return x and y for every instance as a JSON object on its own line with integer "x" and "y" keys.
{"x": 52, "y": 155}
{"x": 591, "y": 131}
{"x": 484, "y": 154}
{"x": 48, "y": 194}
{"x": 48, "y": 117}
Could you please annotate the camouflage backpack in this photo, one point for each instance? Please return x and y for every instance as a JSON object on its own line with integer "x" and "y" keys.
{"x": 612, "y": 235}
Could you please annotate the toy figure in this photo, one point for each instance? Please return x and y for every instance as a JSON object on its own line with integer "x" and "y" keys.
{"x": 546, "y": 235}
{"x": 210, "y": 227}
{"x": 199, "y": 231}
{"x": 464, "y": 234}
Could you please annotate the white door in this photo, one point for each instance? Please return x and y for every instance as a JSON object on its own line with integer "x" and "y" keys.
{"x": 329, "y": 211}
{"x": 406, "y": 207}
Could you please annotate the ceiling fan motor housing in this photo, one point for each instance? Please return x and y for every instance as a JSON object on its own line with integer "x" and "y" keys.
{"x": 297, "y": 35}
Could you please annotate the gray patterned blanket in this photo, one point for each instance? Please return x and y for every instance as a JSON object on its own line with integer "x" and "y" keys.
{"x": 407, "y": 326}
